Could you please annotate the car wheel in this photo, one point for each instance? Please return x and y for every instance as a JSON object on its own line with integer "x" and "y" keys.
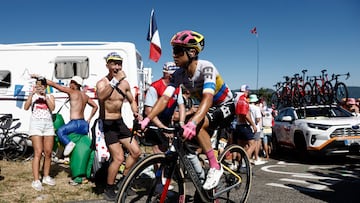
{"x": 275, "y": 150}
{"x": 301, "y": 148}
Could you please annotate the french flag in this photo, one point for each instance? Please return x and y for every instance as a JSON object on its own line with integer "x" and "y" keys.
{"x": 154, "y": 39}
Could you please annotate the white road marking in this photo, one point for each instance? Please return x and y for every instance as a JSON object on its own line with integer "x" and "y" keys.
{"x": 268, "y": 169}
{"x": 279, "y": 185}
{"x": 308, "y": 185}
{"x": 302, "y": 185}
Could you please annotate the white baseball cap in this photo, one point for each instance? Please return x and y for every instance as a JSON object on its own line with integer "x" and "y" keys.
{"x": 244, "y": 88}
{"x": 77, "y": 79}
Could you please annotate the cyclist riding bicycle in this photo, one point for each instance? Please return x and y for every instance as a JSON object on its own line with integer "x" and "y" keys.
{"x": 204, "y": 82}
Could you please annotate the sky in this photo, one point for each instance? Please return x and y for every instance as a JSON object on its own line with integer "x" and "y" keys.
{"x": 292, "y": 34}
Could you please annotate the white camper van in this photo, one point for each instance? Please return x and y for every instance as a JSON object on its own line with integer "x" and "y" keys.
{"x": 59, "y": 61}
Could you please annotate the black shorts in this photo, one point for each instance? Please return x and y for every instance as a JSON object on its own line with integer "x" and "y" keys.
{"x": 114, "y": 130}
{"x": 243, "y": 132}
{"x": 154, "y": 137}
{"x": 221, "y": 116}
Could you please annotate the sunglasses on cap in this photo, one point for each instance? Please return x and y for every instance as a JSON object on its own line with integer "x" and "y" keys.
{"x": 178, "y": 50}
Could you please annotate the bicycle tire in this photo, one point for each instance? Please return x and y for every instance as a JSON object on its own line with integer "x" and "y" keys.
{"x": 144, "y": 185}
{"x": 15, "y": 146}
{"x": 340, "y": 92}
{"x": 286, "y": 96}
{"x": 241, "y": 192}
{"x": 327, "y": 93}
{"x": 275, "y": 99}
{"x": 296, "y": 98}
{"x": 308, "y": 94}
{"x": 316, "y": 95}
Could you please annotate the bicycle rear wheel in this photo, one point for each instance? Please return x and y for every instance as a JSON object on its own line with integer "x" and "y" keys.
{"x": 241, "y": 167}
{"x": 15, "y": 146}
{"x": 340, "y": 92}
{"x": 144, "y": 182}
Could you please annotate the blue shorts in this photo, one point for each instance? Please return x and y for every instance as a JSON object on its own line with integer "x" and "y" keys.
{"x": 267, "y": 135}
{"x": 243, "y": 132}
{"x": 78, "y": 126}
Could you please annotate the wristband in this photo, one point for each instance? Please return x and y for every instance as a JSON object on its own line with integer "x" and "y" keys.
{"x": 114, "y": 82}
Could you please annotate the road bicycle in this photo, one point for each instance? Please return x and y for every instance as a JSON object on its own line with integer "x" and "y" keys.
{"x": 276, "y": 95}
{"x": 301, "y": 91}
{"x": 286, "y": 92}
{"x": 340, "y": 89}
{"x": 160, "y": 177}
{"x": 13, "y": 145}
{"x": 322, "y": 92}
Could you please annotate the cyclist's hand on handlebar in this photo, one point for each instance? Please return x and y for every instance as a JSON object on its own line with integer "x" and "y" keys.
{"x": 189, "y": 130}
{"x": 144, "y": 123}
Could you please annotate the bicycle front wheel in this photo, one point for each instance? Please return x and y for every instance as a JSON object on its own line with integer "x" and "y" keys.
{"x": 236, "y": 167}
{"x": 15, "y": 147}
{"x": 144, "y": 182}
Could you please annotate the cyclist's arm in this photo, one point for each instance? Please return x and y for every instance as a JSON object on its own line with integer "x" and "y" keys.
{"x": 155, "y": 120}
{"x": 161, "y": 103}
{"x": 150, "y": 100}
{"x": 205, "y": 104}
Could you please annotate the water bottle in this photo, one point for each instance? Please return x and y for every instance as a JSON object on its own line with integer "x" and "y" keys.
{"x": 194, "y": 159}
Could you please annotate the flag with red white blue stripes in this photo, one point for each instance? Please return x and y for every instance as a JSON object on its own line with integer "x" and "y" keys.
{"x": 154, "y": 38}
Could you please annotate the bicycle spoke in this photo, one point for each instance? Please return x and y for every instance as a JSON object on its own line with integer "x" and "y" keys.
{"x": 237, "y": 175}
{"x": 145, "y": 182}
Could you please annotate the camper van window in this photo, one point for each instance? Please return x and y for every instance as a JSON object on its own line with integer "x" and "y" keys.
{"x": 5, "y": 78}
{"x": 69, "y": 66}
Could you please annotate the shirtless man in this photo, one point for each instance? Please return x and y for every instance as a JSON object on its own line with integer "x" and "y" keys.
{"x": 77, "y": 123}
{"x": 117, "y": 134}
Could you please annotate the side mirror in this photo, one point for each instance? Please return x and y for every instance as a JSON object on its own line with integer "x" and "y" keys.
{"x": 286, "y": 119}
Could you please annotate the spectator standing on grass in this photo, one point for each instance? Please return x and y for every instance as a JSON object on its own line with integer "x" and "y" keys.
{"x": 112, "y": 91}
{"x": 41, "y": 132}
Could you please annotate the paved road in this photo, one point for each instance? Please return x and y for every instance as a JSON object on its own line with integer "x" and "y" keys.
{"x": 284, "y": 180}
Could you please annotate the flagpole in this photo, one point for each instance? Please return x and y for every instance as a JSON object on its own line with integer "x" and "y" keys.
{"x": 257, "y": 65}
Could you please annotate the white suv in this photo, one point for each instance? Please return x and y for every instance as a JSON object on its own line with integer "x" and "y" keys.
{"x": 326, "y": 129}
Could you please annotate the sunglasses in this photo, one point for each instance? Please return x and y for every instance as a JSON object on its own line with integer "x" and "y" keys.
{"x": 178, "y": 50}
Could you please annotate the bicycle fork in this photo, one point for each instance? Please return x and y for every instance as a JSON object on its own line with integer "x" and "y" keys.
{"x": 229, "y": 179}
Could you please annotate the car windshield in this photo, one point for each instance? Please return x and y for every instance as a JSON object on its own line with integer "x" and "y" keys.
{"x": 328, "y": 111}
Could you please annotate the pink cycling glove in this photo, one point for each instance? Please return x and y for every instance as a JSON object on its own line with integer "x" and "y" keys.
{"x": 144, "y": 123}
{"x": 189, "y": 130}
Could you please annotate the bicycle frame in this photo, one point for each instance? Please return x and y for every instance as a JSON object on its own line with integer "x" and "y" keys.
{"x": 179, "y": 153}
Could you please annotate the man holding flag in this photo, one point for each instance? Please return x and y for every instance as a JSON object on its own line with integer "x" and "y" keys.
{"x": 154, "y": 39}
